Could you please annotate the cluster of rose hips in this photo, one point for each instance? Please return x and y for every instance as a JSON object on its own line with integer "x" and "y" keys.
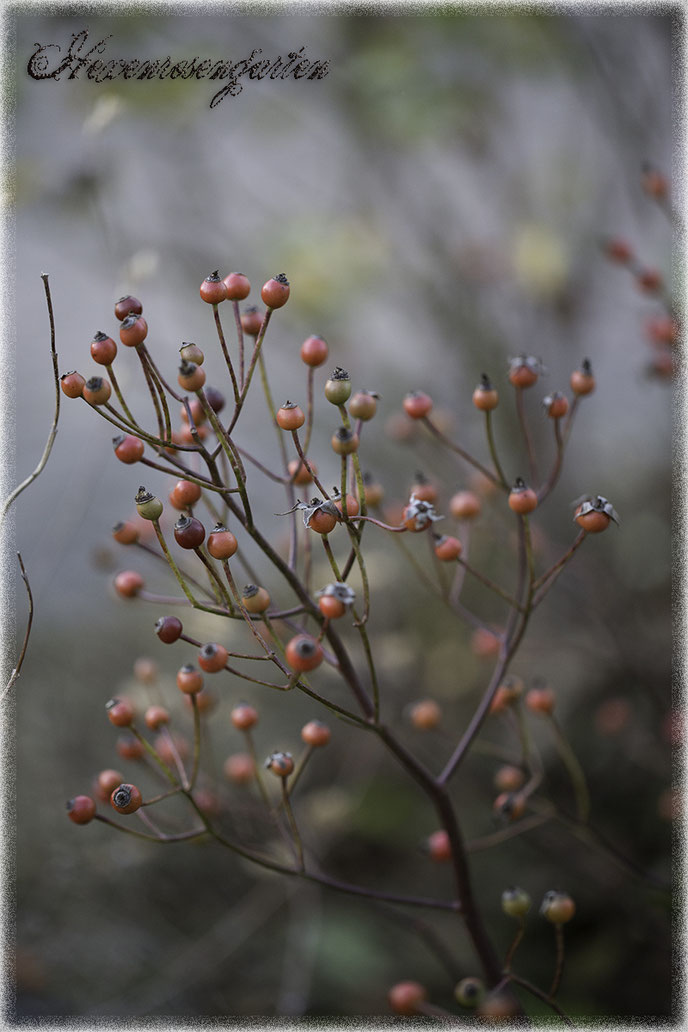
{"x": 283, "y": 637}
{"x": 662, "y": 330}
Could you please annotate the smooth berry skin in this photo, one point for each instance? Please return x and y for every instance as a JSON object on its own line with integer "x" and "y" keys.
{"x": 191, "y": 377}
{"x": 509, "y": 779}
{"x": 125, "y": 532}
{"x": 128, "y": 583}
{"x": 222, "y": 544}
{"x": 190, "y": 352}
{"x": 464, "y": 505}
{"x": 331, "y": 607}
{"x": 237, "y": 286}
{"x": 120, "y": 712}
{"x": 255, "y": 602}
{"x": 239, "y": 768}
{"x": 72, "y": 384}
{"x": 106, "y": 783}
{"x": 338, "y": 388}
{"x": 485, "y": 398}
{"x": 322, "y": 522}
{"x": 129, "y": 748}
{"x": 126, "y": 799}
{"x": 146, "y": 670}
{"x": 168, "y": 629}
{"x": 197, "y": 412}
{"x": 155, "y": 717}
{"x": 215, "y": 399}
{"x": 212, "y": 658}
{"x": 557, "y": 407}
{"x": 417, "y": 404}
{"x": 189, "y": 679}
{"x": 516, "y": 902}
{"x": 558, "y": 907}
{"x": 244, "y": 716}
{"x": 448, "y": 549}
{"x": 363, "y": 406}
{"x": 189, "y": 532}
{"x": 303, "y": 653}
{"x": 103, "y": 349}
{"x": 351, "y": 505}
{"x": 96, "y": 391}
{"x": 344, "y": 441}
{"x": 523, "y": 377}
{"x": 126, "y": 305}
{"x": 184, "y": 494}
{"x": 425, "y": 715}
{"x": 212, "y": 290}
{"x": 582, "y": 382}
{"x": 281, "y": 764}
{"x": 522, "y": 500}
{"x": 275, "y": 293}
{"x": 299, "y": 473}
{"x": 251, "y": 321}
{"x": 314, "y": 351}
{"x": 316, "y": 734}
{"x": 81, "y": 809}
{"x": 133, "y": 330}
{"x": 290, "y": 417}
{"x": 540, "y": 700}
{"x": 128, "y": 449}
{"x": 439, "y": 847}
{"x": 405, "y": 998}
{"x": 593, "y": 522}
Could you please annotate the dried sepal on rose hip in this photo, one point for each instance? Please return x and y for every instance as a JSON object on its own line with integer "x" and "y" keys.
{"x": 555, "y": 405}
{"x": 103, "y": 349}
{"x": 334, "y": 599}
{"x": 72, "y": 384}
{"x": 485, "y": 395}
{"x": 522, "y": 499}
{"x": 96, "y": 391}
{"x": 594, "y": 513}
{"x": 524, "y": 370}
{"x": 147, "y": 505}
{"x": 275, "y": 293}
{"x": 318, "y": 515}
{"x": 582, "y": 380}
{"x": 303, "y": 653}
{"x": 338, "y": 387}
{"x": 289, "y": 416}
{"x": 126, "y": 799}
{"x": 190, "y": 352}
{"x": 516, "y": 902}
{"x": 133, "y": 330}
{"x": 127, "y": 305}
{"x": 557, "y": 907}
{"x": 419, "y": 515}
{"x": 280, "y": 763}
{"x": 212, "y": 290}
{"x": 255, "y": 599}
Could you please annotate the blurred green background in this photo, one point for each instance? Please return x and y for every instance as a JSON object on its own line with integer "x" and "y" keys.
{"x": 438, "y": 203}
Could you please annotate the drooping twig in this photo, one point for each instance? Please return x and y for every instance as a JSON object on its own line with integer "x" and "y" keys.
{"x": 15, "y": 673}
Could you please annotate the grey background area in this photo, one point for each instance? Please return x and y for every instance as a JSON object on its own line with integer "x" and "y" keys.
{"x": 438, "y": 202}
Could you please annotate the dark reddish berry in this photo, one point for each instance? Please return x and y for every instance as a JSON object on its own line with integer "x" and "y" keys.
{"x": 81, "y": 809}
{"x": 280, "y": 763}
{"x": 406, "y": 997}
{"x": 168, "y": 629}
{"x": 127, "y": 305}
{"x": 289, "y": 416}
{"x": 189, "y": 532}
{"x": 215, "y": 399}
{"x": 106, "y": 783}
{"x": 155, "y": 717}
